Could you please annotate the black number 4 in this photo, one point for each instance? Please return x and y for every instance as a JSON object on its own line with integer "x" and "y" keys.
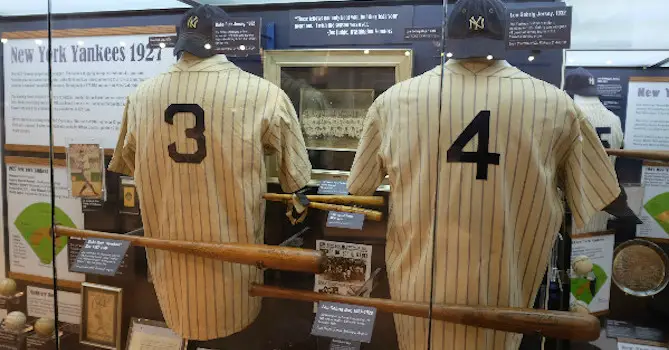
{"x": 196, "y": 133}
{"x": 481, "y": 126}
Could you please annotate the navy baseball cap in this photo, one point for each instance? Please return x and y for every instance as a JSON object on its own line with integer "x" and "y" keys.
{"x": 195, "y": 31}
{"x": 477, "y": 18}
{"x": 580, "y": 82}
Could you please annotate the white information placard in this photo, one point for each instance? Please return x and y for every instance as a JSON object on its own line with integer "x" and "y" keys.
{"x": 655, "y": 206}
{"x": 629, "y": 346}
{"x": 40, "y": 304}
{"x": 591, "y": 286}
{"x": 92, "y": 76}
{"x": 647, "y": 124}
{"x": 29, "y": 219}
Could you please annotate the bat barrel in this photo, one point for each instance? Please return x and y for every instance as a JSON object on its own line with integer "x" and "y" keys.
{"x": 374, "y": 201}
{"x": 557, "y": 324}
{"x": 260, "y": 255}
{"x": 373, "y": 215}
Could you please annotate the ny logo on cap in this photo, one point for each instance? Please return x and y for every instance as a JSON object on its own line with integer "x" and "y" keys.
{"x": 192, "y": 22}
{"x": 591, "y": 81}
{"x": 476, "y": 23}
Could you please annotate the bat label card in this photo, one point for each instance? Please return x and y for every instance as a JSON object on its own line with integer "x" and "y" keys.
{"x": 100, "y": 256}
{"x": 351, "y": 221}
{"x": 341, "y": 344}
{"x": 344, "y": 321}
{"x": 332, "y": 187}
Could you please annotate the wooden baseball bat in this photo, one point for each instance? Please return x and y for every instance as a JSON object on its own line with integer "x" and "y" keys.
{"x": 556, "y": 324}
{"x": 260, "y": 255}
{"x": 373, "y": 215}
{"x": 374, "y": 201}
{"x": 640, "y": 154}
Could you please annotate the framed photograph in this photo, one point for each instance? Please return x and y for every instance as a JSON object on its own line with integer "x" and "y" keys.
{"x": 149, "y": 334}
{"x": 101, "y": 316}
{"x": 85, "y": 164}
{"x": 331, "y": 90}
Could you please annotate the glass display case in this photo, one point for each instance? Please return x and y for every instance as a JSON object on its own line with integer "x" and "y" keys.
{"x": 332, "y": 89}
{"x": 310, "y": 176}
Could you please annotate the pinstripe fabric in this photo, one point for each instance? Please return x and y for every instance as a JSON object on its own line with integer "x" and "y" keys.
{"x": 603, "y": 120}
{"x": 216, "y": 200}
{"x": 493, "y": 237}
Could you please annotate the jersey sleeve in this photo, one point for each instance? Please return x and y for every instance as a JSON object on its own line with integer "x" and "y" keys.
{"x": 368, "y": 170}
{"x": 283, "y": 137}
{"x": 123, "y": 160}
{"x": 588, "y": 177}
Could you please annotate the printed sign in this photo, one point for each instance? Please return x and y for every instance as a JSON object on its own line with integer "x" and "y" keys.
{"x": 655, "y": 208}
{"x": 647, "y": 125}
{"x": 420, "y": 34}
{"x": 332, "y": 187}
{"x": 592, "y": 260}
{"x": 75, "y": 244}
{"x": 100, "y": 256}
{"x": 341, "y": 344}
{"x": 166, "y": 41}
{"x": 351, "y": 221}
{"x": 540, "y": 28}
{"x": 237, "y": 37}
{"x": 349, "y": 26}
{"x": 344, "y": 321}
{"x": 629, "y": 346}
{"x": 622, "y": 329}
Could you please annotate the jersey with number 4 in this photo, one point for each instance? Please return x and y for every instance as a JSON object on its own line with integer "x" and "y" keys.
{"x": 491, "y": 145}
{"x": 194, "y": 138}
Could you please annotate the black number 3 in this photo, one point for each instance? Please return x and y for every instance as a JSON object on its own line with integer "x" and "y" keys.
{"x": 481, "y": 126}
{"x": 196, "y": 133}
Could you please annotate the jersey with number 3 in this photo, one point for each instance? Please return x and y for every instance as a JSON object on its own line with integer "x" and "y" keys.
{"x": 194, "y": 138}
{"x": 491, "y": 145}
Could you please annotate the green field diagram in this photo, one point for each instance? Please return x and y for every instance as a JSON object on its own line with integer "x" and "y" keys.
{"x": 580, "y": 286}
{"x": 658, "y": 208}
{"x": 34, "y": 223}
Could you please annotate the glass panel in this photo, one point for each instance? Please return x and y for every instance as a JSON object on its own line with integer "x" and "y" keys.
{"x": 30, "y": 253}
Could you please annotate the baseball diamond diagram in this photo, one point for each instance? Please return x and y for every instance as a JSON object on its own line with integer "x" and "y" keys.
{"x": 29, "y": 219}
{"x": 655, "y": 208}
{"x": 34, "y": 224}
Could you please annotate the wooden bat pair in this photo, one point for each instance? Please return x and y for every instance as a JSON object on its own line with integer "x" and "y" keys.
{"x": 336, "y": 203}
{"x": 662, "y": 156}
{"x": 549, "y": 323}
{"x": 556, "y": 324}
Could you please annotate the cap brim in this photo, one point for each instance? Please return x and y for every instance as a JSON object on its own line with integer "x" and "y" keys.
{"x": 586, "y": 91}
{"x": 194, "y": 43}
{"x": 477, "y": 47}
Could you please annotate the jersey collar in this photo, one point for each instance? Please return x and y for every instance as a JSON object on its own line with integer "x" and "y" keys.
{"x": 211, "y": 64}
{"x": 500, "y": 69}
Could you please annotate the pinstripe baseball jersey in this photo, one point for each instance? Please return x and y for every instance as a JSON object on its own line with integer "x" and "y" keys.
{"x": 491, "y": 149}
{"x": 610, "y": 132}
{"x": 194, "y": 138}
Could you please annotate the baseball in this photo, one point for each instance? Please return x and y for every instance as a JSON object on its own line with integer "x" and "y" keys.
{"x": 582, "y": 265}
{"x": 579, "y": 307}
{"x": 45, "y": 326}
{"x": 15, "y": 321}
{"x": 7, "y": 287}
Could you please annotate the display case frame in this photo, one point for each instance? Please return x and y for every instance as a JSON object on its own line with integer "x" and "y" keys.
{"x": 401, "y": 60}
